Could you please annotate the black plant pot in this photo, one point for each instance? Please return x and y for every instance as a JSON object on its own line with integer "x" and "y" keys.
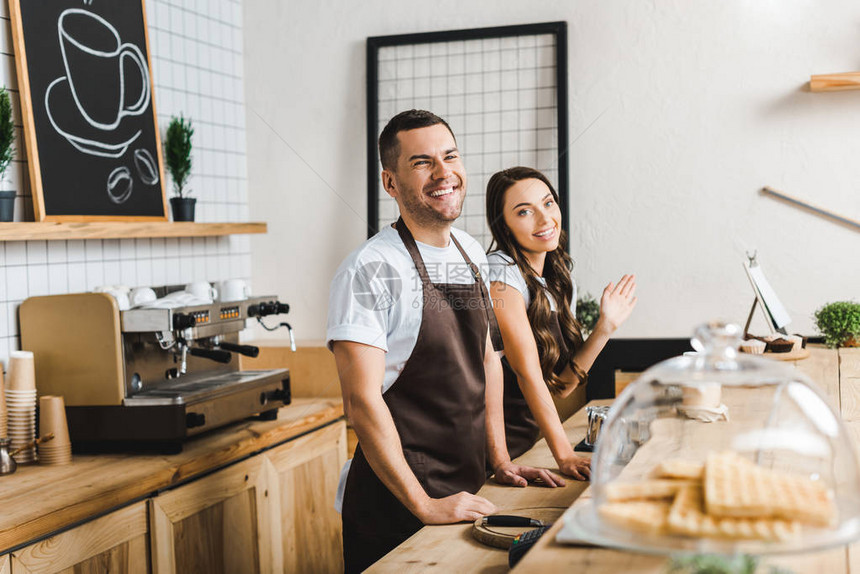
{"x": 7, "y": 205}
{"x": 183, "y": 208}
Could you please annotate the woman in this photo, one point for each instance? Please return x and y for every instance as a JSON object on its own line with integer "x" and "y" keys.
{"x": 534, "y": 297}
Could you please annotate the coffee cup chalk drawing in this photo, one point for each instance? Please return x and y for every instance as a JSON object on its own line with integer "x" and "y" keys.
{"x": 89, "y": 110}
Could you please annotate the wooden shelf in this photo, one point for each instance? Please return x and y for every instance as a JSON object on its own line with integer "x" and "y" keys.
{"x": 28, "y": 231}
{"x": 835, "y": 82}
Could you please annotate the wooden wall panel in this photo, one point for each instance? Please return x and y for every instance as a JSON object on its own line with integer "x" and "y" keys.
{"x": 313, "y": 372}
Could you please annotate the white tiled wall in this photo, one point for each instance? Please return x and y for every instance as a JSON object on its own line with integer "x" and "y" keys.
{"x": 196, "y": 55}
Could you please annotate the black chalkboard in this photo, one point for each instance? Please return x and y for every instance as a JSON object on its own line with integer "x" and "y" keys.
{"x": 89, "y": 116}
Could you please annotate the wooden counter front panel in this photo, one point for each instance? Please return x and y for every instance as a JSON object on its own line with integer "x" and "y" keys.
{"x": 307, "y": 473}
{"x": 313, "y": 372}
{"x": 218, "y": 524}
{"x": 117, "y": 542}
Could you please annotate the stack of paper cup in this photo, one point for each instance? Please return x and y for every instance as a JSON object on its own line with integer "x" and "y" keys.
{"x": 21, "y": 404}
{"x": 4, "y": 429}
{"x": 52, "y": 420}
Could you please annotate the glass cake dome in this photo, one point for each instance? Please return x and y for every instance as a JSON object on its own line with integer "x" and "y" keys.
{"x": 720, "y": 452}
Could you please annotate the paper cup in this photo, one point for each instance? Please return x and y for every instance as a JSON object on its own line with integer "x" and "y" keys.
{"x": 54, "y": 453}
{"x": 12, "y": 395}
{"x": 52, "y": 419}
{"x": 2, "y": 394}
{"x": 22, "y": 371}
{"x": 51, "y": 453}
{"x": 59, "y": 457}
{"x": 66, "y": 454}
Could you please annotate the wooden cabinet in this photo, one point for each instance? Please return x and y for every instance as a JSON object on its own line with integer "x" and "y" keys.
{"x": 307, "y": 471}
{"x": 253, "y": 498}
{"x": 221, "y": 523}
{"x": 117, "y": 542}
{"x": 273, "y": 512}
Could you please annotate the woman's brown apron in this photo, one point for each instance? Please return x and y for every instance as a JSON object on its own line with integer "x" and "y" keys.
{"x": 437, "y": 403}
{"x": 521, "y": 428}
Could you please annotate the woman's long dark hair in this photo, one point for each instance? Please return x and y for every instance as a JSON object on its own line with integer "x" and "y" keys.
{"x": 556, "y": 272}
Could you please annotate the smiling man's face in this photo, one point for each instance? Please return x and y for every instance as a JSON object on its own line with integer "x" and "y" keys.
{"x": 429, "y": 182}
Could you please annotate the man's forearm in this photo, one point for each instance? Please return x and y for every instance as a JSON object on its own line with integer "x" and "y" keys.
{"x": 381, "y": 445}
{"x": 361, "y": 369}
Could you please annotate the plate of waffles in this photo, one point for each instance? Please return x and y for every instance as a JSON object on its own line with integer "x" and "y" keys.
{"x": 779, "y": 473}
{"x": 727, "y": 505}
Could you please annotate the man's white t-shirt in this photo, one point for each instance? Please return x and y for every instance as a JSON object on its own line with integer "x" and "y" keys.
{"x": 376, "y": 296}
{"x": 504, "y": 270}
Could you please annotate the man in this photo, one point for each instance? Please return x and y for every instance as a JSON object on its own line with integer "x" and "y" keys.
{"x": 409, "y": 319}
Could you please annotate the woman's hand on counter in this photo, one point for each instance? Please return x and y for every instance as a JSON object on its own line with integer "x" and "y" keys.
{"x": 578, "y": 467}
{"x": 519, "y": 475}
{"x": 460, "y": 507}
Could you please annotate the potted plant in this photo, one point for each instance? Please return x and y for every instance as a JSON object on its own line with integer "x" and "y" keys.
{"x": 839, "y": 322}
{"x": 715, "y": 564}
{"x": 7, "y": 151}
{"x": 587, "y": 313}
{"x": 177, "y": 148}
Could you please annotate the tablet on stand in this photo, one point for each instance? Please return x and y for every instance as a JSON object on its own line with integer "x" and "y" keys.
{"x": 772, "y": 308}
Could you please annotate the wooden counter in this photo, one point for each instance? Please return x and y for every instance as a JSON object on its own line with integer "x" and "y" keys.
{"x": 451, "y": 548}
{"x": 39, "y": 500}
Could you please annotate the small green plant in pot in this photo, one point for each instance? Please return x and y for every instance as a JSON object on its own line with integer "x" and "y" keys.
{"x": 839, "y": 322}
{"x": 587, "y": 313}
{"x": 7, "y": 152}
{"x": 177, "y": 153}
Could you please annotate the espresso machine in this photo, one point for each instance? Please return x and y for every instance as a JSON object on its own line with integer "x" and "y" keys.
{"x": 149, "y": 376}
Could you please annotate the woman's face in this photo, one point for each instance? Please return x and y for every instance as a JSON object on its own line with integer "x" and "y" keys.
{"x": 532, "y": 215}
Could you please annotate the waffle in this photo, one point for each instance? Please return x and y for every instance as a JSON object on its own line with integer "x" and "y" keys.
{"x": 643, "y": 490}
{"x": 735, "y": 487}
{"x": 680, "y": 469}
{"x": 648, "y": 516}
{"x": 687, "y": 517}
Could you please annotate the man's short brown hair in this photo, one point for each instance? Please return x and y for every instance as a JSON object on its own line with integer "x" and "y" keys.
{"x": 389, "y": 145}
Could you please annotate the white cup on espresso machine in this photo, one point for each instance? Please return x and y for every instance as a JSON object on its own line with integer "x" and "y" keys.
{"x": 233, "y": 290}
{"x": 202, "y": 290}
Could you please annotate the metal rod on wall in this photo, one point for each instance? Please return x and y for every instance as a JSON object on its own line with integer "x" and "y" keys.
{"x": 813, "y": 208}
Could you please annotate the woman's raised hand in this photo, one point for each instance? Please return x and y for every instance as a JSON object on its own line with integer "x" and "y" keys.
{"x": 617, "y": 303}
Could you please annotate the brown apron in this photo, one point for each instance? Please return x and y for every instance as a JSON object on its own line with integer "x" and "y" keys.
{"x": 521, "y": 428}
{"x": 437, "y": 403}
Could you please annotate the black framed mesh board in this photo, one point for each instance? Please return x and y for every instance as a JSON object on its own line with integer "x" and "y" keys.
{"x": 502, "y": 90}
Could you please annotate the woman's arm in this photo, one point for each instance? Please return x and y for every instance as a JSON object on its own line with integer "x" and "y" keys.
{"x": 522, "y": 354}
{"x": 616, "y": 304}
{"x": 505, "y": 471}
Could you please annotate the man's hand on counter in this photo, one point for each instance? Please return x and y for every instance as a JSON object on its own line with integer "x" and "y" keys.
{"x": 460, "y": 507}
{"x": 519, "y": 475}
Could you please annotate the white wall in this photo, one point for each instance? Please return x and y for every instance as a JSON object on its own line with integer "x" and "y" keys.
{"x": 693, "y": 106}
{"x": 196, "y": 56}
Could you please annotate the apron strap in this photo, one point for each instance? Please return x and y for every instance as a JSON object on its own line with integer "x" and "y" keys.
{"x": 495, "y": 332}
{"x": 412, "y": 248}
